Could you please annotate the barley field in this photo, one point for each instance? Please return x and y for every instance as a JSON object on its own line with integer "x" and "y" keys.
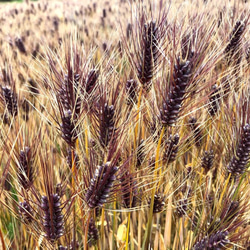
{"x": 125, "y": 125}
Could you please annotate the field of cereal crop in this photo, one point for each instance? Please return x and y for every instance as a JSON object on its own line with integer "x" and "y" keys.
{"x": 125, "y": 125}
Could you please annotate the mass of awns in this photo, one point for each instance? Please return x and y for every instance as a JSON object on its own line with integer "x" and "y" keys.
{"x": 125, "y": 125}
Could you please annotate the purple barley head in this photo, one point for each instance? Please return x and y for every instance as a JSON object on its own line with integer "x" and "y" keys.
{"x": 26, "y": 168}
{"x": 6, "y": 76}
{"x": 91, "y": 81}
{"x": 68, "y": 129}
{"x": 150, "y": 54}
{"x": 239, "y": 162}
{"x": 33, "y": 87}
{"x": 207, "y": 160}
{"x": 25, "y": 211}
{"x": 217, "y": 240}
{"x": 10, "y": 99}
{"x": 72, "y": 246}
{"x": 173, "y": 103}
{"x": 159, "y": 203}
{"x": 234, "y": 43}
{"x": 68, "y": 93}
{"x": 101, "y": 185}
{"x": 214, "y": 100}
{"x": 20, "y": 45}
{"x": 93, "y": 234}
{"x": 248, "y": 55}
{"x": 171, "y": 149}
{"x": 107, "y": 124}
{"x": 53, "y": 218}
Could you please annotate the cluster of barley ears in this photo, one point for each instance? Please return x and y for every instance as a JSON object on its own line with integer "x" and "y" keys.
{"x": 125, "y": 125}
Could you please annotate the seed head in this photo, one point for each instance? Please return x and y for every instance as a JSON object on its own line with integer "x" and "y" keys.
{"x": 248, "y": 55}
{"x": 107, "y": 124}
{"x": 101, "y": 185}
{"x": 93, "y": 234}
{"x": 159, "y": 203}
{"x": 234, "y": 43}
{"x": 33, "y": 86}
{"x": 239, "y": 162}
{"x": 25, "y": 211}
{"x": 68, "y": 129}
{"x": 214, "y": 100}
{"x": 26, "y": 168}
{"x": 207, "y": 160}
{"x": 172, "y": 106}
{"x": 149, "y": 56}
{"x": 52, "y": 220}
{"x": 91, "y": 80}
{"x": 20, "y": 45}
{"x": 171, "y": 149}
{"x": 68, "y": 95}
{"x": 217, "y": 240}
{"x": 10, "y": 100}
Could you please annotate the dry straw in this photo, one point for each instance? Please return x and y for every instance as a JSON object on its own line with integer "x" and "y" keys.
{"x": 124, "y": 125}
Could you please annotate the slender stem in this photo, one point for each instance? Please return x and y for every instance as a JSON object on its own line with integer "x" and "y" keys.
{"x": 86, "y": 138}
{"x": 222, "y": 194}
{"x": 86, "y": 233}
{"x": 133, "y": 218}
{"x": 83, "y": 213}
{"x": 157, "y": 156}
{"x": 208, "y": 137}
{"x": 146, "y": 242}
{"x": 139, "y": 228}
{"x": 137, "y": 117}
{"x": 102, "y": 230}
{"x": 176, "y": 238}
{"x": 181, "y": 232}
{"x": 157, "y": 233}
{"x": 128, "y": 227}
{"x": 168, "y": 224}
{"x": 238, "y": 186}
{"x": 73, "y": 189}
{"x": 114, "y": 226}
{"x": 2, "y": 240}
